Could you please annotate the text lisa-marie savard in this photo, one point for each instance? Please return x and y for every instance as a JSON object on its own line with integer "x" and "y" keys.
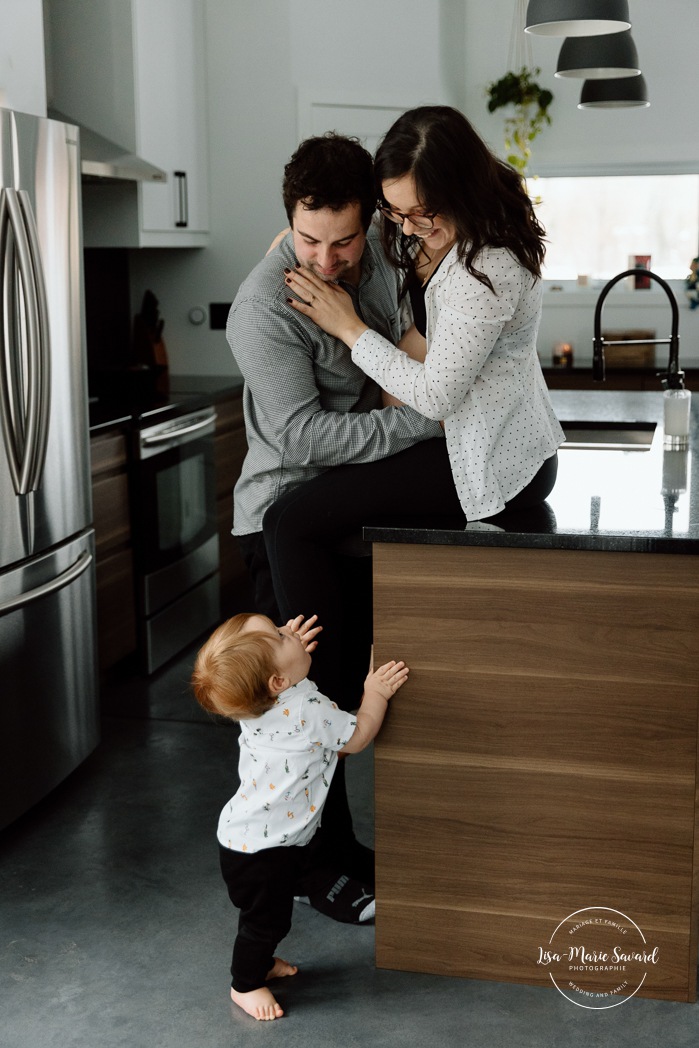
{"x": 581, "y": 955}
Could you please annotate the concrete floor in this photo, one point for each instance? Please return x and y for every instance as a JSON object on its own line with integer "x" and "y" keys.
{"x": 117, "y": 931}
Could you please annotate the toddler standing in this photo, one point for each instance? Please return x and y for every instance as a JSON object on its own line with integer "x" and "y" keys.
{"x": 290, "y": 735}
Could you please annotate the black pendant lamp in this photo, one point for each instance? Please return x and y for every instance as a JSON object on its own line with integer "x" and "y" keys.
{"x": 576, "y": 17}
{"x": 599, "y": 57}
{"x": 620, "y": 93}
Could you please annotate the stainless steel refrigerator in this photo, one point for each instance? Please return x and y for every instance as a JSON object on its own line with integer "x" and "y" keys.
{"x": 48, "y": 690}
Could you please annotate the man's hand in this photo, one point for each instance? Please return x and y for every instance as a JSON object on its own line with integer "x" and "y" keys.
{"x": 306, "y": 630}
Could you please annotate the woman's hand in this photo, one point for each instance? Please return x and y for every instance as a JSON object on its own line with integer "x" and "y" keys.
{"x": 306, "y": 630}
{"x": 325, "y": 303}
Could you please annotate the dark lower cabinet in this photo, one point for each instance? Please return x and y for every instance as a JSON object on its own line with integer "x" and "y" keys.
{"x": 116, "y": 614}
{"x": 230, "y": 450}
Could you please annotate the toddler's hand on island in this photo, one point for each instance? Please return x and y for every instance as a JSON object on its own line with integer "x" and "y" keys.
{"x": 386, "y": 680}
{"x": 379, "y": 686}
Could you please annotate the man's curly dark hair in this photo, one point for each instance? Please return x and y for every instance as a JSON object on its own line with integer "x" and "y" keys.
{"x": 332, "y": 171}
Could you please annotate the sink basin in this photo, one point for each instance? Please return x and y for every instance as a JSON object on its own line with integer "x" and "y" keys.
{"x": 608, "y": 436}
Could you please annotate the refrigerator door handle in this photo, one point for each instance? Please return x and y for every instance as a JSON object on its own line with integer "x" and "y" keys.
{"x": 64, "y": 579}
{"x": 18, "y": 219}
{"x": 12, "y": 440}
{"x": 43, "y": 347}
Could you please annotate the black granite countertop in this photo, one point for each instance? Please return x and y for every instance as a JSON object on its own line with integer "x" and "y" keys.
{"x": 127, "y": 403}
{"x": 624, "y": 501}
{"x": 218, "y": 387}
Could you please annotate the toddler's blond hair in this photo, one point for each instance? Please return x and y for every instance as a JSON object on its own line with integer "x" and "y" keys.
{"x": 232, "y": 670}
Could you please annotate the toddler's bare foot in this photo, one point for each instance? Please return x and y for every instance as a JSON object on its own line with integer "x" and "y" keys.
{"x": 281, "y": 968}
{"x": 260, "y": 1004}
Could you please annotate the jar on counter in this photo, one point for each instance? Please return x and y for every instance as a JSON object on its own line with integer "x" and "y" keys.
{"x": 562, "y": 355}
{"x": 676, "y": 408}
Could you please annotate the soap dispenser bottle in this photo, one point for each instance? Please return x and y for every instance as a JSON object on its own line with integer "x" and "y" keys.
{"x": 676, "y": 407}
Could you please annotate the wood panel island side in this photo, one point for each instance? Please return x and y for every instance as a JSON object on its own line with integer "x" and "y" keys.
{"x": 536, "y": 779}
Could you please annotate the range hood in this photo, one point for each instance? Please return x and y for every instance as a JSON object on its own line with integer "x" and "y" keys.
{"x": 102, "y": 160}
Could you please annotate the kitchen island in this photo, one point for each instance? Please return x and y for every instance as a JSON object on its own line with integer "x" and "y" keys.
{"x": 541, "y": 764}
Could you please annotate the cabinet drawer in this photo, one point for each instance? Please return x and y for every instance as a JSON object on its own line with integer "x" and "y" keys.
{"x": 229, "y": 414}
{"x": 230, "y": 445}
{"x": 230, "y": 449}
{"x": 234, "y": 575}
{"x": 229, "y": 454}
{"x": 108, "y": 453}
{"x": 110, "y": 500}
{"x": 116, "y": 618}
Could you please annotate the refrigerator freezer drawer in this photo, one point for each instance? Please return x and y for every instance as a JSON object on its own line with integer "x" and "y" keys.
{"x": 49, "y": 705}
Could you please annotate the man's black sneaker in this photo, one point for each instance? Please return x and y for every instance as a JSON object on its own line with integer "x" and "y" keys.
{"x": 345, "y": 900}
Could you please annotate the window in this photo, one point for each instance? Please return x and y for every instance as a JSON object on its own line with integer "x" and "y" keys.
{"x": 593, "y": 224}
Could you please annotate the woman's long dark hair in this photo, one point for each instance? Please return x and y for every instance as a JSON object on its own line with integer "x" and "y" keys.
{"x": 457, "y": 177}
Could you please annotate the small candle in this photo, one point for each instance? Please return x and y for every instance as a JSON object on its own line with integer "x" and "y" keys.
{"x": 562, "y": 355}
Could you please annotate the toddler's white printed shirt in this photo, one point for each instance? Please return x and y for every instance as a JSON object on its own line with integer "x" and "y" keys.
{"x": 287, "y": 760}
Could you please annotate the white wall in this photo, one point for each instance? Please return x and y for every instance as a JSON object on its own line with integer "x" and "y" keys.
{"x": 22, "y": 71}
{"x": 271, "y": 63}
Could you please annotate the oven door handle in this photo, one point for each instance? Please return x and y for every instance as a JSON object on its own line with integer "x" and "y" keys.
{"x": 174, "y": 434}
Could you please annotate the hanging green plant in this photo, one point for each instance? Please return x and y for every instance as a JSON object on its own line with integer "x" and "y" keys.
{"x": 531, "y": 103}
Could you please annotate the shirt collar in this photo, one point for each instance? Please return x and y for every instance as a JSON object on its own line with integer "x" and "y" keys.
{"x": 445, "y": 265}
{"x": 367, "y": 265}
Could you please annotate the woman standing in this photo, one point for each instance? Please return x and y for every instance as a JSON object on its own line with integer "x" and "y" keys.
{"x": 460, "y": 225}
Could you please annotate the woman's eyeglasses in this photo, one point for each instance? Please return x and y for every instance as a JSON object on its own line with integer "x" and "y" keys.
{"x": 415, "y": 218}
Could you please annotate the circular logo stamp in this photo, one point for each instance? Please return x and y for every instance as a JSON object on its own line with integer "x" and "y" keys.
{"x": 598, "y": 957}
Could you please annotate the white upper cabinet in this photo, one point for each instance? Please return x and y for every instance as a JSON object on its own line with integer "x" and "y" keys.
{"x": 22, "y": 73}
{"x": 169, "y": 44}
{"x": 133, "y": 72}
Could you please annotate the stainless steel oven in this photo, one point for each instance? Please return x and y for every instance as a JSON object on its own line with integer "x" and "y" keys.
{"x": 173, "y": 507}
